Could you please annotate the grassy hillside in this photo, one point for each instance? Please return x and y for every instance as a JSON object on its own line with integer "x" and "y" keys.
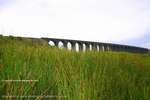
{"x": 67, "y": 75}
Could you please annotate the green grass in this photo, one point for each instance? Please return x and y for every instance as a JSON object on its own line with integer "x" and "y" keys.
{"x": 76, "y": 76}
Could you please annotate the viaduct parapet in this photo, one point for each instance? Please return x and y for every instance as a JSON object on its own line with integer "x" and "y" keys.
{"x": 97, "y": 46}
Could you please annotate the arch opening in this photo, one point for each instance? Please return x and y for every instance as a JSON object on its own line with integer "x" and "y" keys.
{"x": 84, "y": 47}
{"x": 77, "y": 47}
{"x": 60, "y": 45}
{"x": 51, "y": 43}
{"x": 90, "y": 47}
{"x": 69, "y": 46}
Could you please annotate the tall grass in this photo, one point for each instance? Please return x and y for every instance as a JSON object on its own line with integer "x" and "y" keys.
{"x": 72, "y": 75}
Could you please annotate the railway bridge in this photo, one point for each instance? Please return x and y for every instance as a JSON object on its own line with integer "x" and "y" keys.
{"x": 97, "y": 46}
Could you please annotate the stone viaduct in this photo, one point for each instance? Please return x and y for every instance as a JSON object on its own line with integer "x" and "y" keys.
{"x": 97, "y": 46}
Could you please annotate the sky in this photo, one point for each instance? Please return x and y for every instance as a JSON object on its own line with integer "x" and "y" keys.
{"x": 113, "y": 21}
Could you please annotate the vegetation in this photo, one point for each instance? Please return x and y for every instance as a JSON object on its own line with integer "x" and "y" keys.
{"x": 68, "y": 75}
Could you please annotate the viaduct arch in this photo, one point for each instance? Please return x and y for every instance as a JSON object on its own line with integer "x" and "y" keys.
{"x": 96, "y": 46}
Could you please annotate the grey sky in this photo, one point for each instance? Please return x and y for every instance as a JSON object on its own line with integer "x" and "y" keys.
{"x": 97, "y": 20}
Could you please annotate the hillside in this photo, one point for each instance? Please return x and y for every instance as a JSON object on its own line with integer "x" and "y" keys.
{"x": 70, "y": 75}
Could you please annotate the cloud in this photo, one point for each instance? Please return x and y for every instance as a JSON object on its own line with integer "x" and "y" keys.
{"x": 5, "y": 3}
{"x": 95, "y": 20}
{"x": 146, "y": 45}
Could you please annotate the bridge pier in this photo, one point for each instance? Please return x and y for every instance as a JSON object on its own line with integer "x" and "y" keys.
{"x": 97, "y": 47}
{"x": 65, "y": 44}
{"x": 56, "y": 43}
{"x": 110, "y": 47}
{"x": 73, "y": 46}
{"x": 87, "y": 46}
{"x": 113, "y": 48}
{"x": 80, "y": 46}
{"x": 104, "y": 48}
{"x": 94, "y": 46}
{"x": 100, "y": 47}
{"x": 107, "y": 47}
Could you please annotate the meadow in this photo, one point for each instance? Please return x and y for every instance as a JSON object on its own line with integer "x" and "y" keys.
{"x": 70, "y": 75}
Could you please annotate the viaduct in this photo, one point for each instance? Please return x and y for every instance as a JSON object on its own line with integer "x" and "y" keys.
{"x": 97, "y": 46}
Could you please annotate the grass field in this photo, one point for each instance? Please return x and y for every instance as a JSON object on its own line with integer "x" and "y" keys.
{"x": 68, "y": 75}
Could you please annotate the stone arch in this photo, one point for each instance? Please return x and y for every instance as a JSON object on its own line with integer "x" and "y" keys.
{"x": 97, "y": 48}
{"x": 60, "y": 44}
{"x": 51, "y": 43}
{"x": 90, "y": 47}
{"x": 69, "y": 46}
{"x": 77, "y": 46}
{"x": 84, "y": 47}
